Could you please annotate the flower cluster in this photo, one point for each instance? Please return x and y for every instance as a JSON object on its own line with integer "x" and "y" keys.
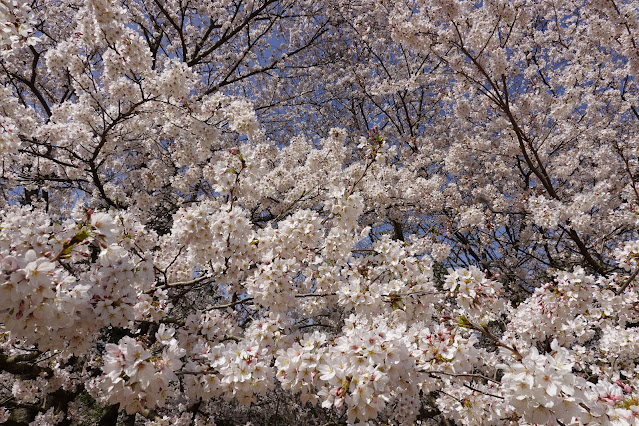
{"x": 559, "y": 309}
{"x": 137, "y": 378}
{"x": 16, "y": 25}
{"x": 478, "y": 297}
{"x": 543, "y": 389}
{"x": 34, "y": 291}
{"x": 546, "y": 213}
{"x": 628, "y": 255}
{"x": 362, "y": 371}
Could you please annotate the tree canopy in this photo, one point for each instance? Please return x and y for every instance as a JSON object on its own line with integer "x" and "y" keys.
{"x": 319, "y": 212}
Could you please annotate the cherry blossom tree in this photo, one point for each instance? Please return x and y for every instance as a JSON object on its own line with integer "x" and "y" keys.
{"x": 319, "y": 212}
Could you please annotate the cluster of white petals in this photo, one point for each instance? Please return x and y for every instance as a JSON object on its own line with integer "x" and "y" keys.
{"x": 478, "y": 297}
{"x": 16, "y": 25}
{"x": 543, "y": 389}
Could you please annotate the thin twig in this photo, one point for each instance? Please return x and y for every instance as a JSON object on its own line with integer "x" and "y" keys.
{"x": 628, "y": 281}
{"x": 474, "y": 376}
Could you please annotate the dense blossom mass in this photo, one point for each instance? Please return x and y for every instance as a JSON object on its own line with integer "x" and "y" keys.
{"x": 319, "y": 212}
